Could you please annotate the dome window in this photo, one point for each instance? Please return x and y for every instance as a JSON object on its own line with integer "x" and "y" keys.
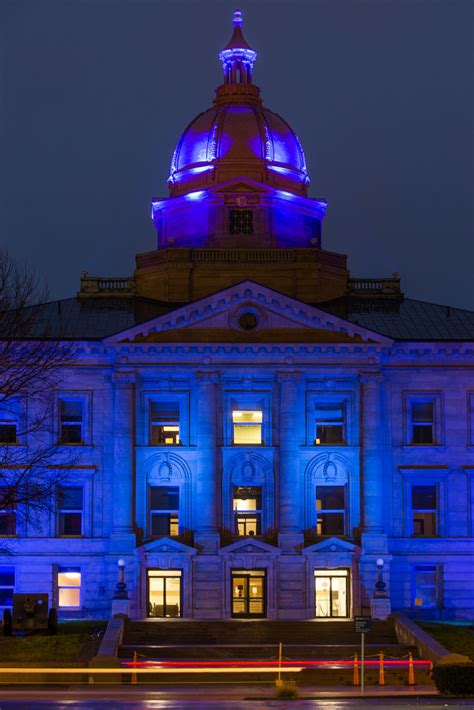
{"x": 241, "y": 221}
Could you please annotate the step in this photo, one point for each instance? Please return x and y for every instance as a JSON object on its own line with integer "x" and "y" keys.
{"x": 260, "y": 651}
{"x": 181, "y": 631}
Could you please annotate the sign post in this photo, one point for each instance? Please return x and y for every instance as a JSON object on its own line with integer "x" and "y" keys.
{"x": 362, "y": 626}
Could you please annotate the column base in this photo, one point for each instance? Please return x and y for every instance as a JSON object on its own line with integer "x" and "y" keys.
{"x": 207, "y": 543}
{"x": 122, "y": 543}
{"x": 374, "y": 543}
{"x": 290, "y": 542}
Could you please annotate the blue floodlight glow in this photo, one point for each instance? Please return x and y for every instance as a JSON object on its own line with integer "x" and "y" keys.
{"x": 199, "y": 195}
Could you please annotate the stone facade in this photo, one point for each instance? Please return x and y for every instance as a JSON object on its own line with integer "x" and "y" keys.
{"x": 256, "y": 429}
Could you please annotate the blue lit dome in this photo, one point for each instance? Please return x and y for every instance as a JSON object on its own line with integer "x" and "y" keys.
{"x": 238, "y": 137}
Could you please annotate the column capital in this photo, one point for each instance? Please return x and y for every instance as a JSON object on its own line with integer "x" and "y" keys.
{"x": 125, "y": 377}
{"x": 288, "y": 376}
{"x": 371, "y": 377}
{"x": 208, "y": 377}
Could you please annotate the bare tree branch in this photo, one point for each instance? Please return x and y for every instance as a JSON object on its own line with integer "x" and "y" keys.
{"x": 33, "y": 360}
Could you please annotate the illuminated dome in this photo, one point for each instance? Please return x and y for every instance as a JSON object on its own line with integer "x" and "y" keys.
{"x": 238, "y": 137}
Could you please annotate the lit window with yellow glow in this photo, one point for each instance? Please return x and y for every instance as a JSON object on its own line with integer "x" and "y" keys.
{"x": 247, "y": 426}
{"x": 69, "y": 587}
{"x": 248, "y": 510}
{"x": 164, "y": 424}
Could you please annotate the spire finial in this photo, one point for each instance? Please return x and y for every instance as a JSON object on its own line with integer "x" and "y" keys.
{"x": 237, "y": 57}
{"x": 237, "y": 18}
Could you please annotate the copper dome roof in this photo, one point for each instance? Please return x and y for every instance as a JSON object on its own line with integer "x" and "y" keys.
{"x": 238, "y": 137}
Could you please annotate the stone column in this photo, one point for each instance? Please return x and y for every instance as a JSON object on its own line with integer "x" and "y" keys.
{"x": 291, "y": 423}
{"x": 372, "y": 454}
{"x": 123, "y": 459}
{"x": 206, "y": 503}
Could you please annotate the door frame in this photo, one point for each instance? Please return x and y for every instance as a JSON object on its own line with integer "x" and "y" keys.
{"x": 164, "y": 576}
{"x": 246, "y": 573}
{"x": 327, "y": 573}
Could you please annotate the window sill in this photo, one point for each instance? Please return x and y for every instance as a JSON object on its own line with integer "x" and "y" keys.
{"x": 423, "y": 446}
{"x": 82, "y": 443}
{"x": 70, "y": 537}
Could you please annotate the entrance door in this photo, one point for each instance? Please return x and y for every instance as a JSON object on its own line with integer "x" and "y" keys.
{"x": 248, "y": 593}
{"x": 164, "y": 593}
{"x": 332, "y": 593}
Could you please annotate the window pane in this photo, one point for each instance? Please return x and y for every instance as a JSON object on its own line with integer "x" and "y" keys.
{"x": 329, "y": 434}
{"x": 164, "y": 435}
{"x": 247, "y": 434}
{"x": 69, "y": 597}
{"x": 425, "y": 575}
{"x": 7, "y": 433}
{"x": 330, "y": 498}
{"x": 247, "y": 498}
{"x": 331, "y": 524}
{"x": 69, "y": 577}
{"x": 164, "y": 412}
{"x": 7, "y": 576}
{"x": 423, "y": 497}
{"x": 70, "y": 498}
{"x": 164, "y": 498}
{"x": 70, "y": 410}
{"x": 251, "y": 416}
{"x": 422, "y": 434}
{"x": 70, "y": 524}
{"x": 422, "y": 411}
{"x": 424, "y": 524}
{"x": 163, "y": 524}
{"x": 71, "y": 434}
{"x": 7, "y": 524}
{"x": 6, "y": 597}
{"x": 241, "y": 222}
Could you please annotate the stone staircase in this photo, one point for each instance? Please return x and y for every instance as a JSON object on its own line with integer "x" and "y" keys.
{"x": 180, "y": 640}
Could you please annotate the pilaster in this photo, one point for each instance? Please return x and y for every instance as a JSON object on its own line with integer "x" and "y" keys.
{"x": 123, "y": 533}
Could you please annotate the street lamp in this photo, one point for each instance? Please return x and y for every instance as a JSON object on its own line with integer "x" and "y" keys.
{"x": 121, "y": 587}
{"x": 380, "y": 604}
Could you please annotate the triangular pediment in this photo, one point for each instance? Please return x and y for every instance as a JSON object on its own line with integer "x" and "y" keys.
{"x": 278, "y": 318}
{"x": 165, "y": 545}
{"x": 250, "y": 546}
{"x": 241, "y": 185}
{"x": 331, "y": 545}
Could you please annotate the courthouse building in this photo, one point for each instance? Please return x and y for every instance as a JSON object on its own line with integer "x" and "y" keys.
{"x": 255, "y": 427}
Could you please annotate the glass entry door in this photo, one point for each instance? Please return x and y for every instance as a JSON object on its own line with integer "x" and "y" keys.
{"x": 248, "y": 593}
{"x": 332, "y": 593}
{"x": 164, "y": 593}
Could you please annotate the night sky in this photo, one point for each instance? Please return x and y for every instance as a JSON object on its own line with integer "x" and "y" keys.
{"x": 94, "y": 95}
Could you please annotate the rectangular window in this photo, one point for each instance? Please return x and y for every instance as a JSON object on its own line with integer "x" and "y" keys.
{"x": 426, "y": 586}
{"x": 330, "y": 423}
{"x": 70, "y": 508}
{"x": 424, "y": 510}
{"x": 8, "y": 433}
{"x": 248, "y": 510}
{"x": 71, "y": 415}
{"x": 164, "y": 424}
{"x": 330, "y": 510}
{"x": 241, "y": 221}
{"x": 7, "y": 513}
{"x": 69, "y": 587}
{"x": 422, "y": 422}
{"x": 247, "y": 425}
{"x": 164, "y": 511}
{"x": 7, "y": 587}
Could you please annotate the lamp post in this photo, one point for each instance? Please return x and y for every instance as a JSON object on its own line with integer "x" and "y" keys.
{"x": 121, "y": 588}
{"x": 121, "y": 600}
{"x": 380, "y": 605}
